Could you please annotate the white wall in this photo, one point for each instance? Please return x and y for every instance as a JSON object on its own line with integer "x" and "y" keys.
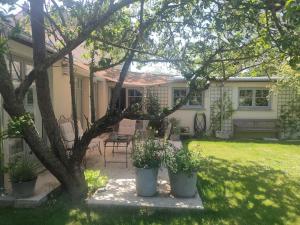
{"x": 186, "y": 116}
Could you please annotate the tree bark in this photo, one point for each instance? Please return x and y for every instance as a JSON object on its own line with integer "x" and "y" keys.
{"x": 91, "y": 78}
{"x": 75, "y": 184}
{"x": 73, "y": 97}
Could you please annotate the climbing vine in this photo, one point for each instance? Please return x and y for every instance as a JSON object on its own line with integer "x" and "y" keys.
{"x": 222, "y": 109}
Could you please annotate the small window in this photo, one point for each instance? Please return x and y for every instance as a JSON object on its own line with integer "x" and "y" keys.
{"x": 134, "y": 96}
{"x": 29, "y": 97}
{"x": 195, "y": 101}
{"x": 254, "y": 98}
{"x": 178, "y": 94}
{"x": 246, "y": 97}
{"x": 15, "y": 70}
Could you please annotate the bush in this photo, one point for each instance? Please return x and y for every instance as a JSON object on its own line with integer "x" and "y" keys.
{"x": 94, "y": 180}
{"x": 182, "y": 160}
{"x": 21, "y": 170}
{"x": 147, "y": 153}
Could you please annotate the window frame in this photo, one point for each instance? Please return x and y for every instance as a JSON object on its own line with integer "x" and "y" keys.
{"x": 188, "y": 105}
{"x": 129, "y": 96}
{"x": 253, "y": 105}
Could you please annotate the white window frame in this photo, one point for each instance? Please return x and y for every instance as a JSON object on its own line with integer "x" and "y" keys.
{"x": 253, "y": 105}
{"x": 188, "y": 105}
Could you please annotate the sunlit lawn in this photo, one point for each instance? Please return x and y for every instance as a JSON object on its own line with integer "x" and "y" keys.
{"x": 242, "y": 182}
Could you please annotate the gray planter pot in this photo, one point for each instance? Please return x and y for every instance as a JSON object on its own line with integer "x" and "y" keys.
{"x": 183, "y": 185}
{"x": 23, "y": 189}
{"x": 146, "y": 181}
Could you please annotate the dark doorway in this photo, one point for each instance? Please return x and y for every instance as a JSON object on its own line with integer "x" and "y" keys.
{"x": 121, "y": 103}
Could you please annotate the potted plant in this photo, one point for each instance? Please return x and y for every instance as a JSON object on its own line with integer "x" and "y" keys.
{"x": 21, "y": 171}
{"x": 175, "y": 130}
{"x": 23, "y": 177}
{"x": 146, "y": 159}
{"x": 182, "y": 167}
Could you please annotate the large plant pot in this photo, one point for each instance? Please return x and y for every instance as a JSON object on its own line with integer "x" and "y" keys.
{"x": 183, "y": 185}
{"x": 24, "y": 189}
{"x": 146, "y": 181}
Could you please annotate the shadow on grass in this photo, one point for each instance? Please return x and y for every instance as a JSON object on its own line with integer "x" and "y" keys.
{"x": 249, "y": 194}
{"x": 232, "y": 193}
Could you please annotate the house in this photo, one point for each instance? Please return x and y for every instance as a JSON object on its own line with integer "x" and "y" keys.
{"x": 251, "y": 98}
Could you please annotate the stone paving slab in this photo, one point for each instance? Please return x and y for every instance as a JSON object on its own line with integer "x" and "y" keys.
{"x": 121, "y": 193}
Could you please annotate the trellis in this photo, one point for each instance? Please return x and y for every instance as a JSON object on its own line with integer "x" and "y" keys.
{"x": 215, "y": 96}
{"x": 162, "y": 94}
{"x": 289, "y": 122}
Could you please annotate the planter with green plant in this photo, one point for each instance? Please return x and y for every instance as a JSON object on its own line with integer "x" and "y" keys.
{"x": 23, "y": 177}
{"x": 146, "y": 158}
{"x": 183, "y": 166}
{"x": 21, "y": 171}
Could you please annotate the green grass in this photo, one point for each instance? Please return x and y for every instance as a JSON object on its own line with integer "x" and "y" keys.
{"x": 242, "y": 182}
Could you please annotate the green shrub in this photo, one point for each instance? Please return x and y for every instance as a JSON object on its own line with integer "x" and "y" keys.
{"x": 182, "y": 160}
{"x": 94, "y": 180}
{"x": 147, "y": 153}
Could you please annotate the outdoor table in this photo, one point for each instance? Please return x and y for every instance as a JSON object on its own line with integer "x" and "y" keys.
{"x": 116, "y": 141}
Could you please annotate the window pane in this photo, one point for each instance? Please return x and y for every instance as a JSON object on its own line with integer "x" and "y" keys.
{"x": 178, "y": 94}
{"x": 29, "y": 97}
{"x": 134, "y": 92}
{"x": 15, "y": 68}
{"x": 261, "y": 102}
{"x": 245, "y": 98}
{"x": 261, "y": 97}
{"x": 196, "y": 99}
{"x": 134, "y": 96}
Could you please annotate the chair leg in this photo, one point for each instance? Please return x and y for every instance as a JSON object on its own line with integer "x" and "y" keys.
{"x": 99, "y": 149}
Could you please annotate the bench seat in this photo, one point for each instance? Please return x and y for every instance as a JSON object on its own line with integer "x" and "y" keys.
{"x": 256, "y": 125}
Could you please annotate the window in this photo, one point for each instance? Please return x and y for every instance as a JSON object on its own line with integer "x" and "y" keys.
{"x": 134, "y": 96}
{"x": 253, "y": 97}
{"x": 195, "y": 101}
{"x": 15, "y": 70}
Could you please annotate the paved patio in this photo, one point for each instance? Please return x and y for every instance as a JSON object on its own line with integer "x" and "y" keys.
{"x": 120, "y": 190}
{"x": 45, "y": 185}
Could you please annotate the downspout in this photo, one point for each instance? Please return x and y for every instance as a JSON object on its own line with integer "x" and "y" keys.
{"x": 222, "y": 106}
{"x": 2, "y": 190}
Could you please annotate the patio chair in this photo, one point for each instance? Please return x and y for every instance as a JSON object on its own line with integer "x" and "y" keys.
{"x": 121, "y": 138}
{"x": 127, "y": 127}
{"x": 68, "y": 134}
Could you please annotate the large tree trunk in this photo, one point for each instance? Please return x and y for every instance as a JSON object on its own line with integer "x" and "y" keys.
{"x": 75, "y": 183}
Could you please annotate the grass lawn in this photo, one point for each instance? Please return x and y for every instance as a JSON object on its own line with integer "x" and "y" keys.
{"x": 242, "y": 182}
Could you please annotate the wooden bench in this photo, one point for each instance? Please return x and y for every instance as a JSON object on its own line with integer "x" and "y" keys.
{"x": 256, "y": 126}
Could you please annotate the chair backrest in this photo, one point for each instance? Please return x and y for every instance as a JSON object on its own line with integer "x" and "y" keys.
{"x": 80, "y": 129}
{"x": 67, "y": 131}
{"x": 127, "y": 127}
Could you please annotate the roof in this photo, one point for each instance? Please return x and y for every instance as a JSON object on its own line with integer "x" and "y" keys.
{"x": 136, "y": 78}
{"x": 252, "y": 79}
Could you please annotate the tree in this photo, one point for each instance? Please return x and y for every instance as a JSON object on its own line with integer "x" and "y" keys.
{"x": 86, "y": 18}
{"x": 204, "y": 40}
